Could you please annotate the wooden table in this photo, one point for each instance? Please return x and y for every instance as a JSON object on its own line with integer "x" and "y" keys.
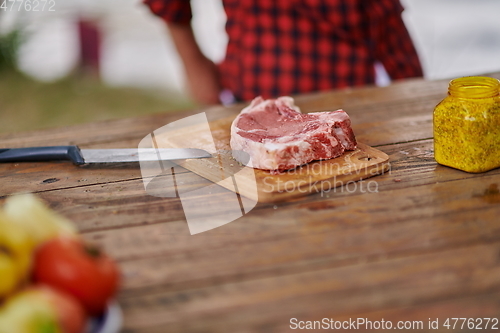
{"x": 427, "y": 245}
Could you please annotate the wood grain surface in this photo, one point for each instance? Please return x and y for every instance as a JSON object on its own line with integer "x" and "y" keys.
{"x": 421, "y": 242}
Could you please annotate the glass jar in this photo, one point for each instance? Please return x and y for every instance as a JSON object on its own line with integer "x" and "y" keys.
{"x": 467, "y": 125}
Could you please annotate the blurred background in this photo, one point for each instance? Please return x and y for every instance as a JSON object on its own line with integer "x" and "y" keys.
{"x": 85, "y": 60}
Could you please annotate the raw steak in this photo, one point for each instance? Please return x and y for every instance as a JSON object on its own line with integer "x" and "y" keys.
{"x": 277, "y": 136}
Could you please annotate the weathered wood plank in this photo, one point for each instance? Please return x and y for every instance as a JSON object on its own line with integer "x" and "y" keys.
{"x": 111, "y": 204}
{"x": 269, "y": 303}
{"x": 477, "y": 306}
{"x": 35, "y": 177}
{"x": 412, "y": 165}
{"x": 104, "y": 131}
{"x": 316, "y": 236}
{"x": 44, "y": 176}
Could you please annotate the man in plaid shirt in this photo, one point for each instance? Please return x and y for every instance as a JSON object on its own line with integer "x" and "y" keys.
{"x": 286, "y": 47}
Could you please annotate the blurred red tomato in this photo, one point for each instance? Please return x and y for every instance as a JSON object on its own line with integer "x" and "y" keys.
{"x": 78, "y": 269}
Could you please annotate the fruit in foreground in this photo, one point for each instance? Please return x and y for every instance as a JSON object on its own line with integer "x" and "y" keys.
{"x": 79, "y": 269}
{"x": 15, "y": 256}
{"x": 30, "y": 213}
{"x": 42, "y": 310}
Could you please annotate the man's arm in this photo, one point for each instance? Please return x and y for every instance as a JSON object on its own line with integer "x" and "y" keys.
{"x": 201, "y": 73}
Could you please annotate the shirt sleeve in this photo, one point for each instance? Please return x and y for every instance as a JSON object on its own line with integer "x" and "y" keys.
{"x": 173, "y": 11}
{"x": 391, "y": 41}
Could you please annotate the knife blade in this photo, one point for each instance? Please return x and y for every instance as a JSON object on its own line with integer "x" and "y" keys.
{"x": 85, "y": 156}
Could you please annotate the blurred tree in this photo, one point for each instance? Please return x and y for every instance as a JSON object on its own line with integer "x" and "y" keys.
{"x": 9, "y": 47}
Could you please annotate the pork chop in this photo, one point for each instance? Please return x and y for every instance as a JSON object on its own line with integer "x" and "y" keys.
{"x": 278, "y": 137}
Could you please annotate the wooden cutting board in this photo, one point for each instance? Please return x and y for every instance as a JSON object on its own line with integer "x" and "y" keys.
{"x": 261, "y": 185}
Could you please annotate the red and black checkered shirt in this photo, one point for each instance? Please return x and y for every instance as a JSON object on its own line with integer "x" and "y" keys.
{"x": 285, "y": 47}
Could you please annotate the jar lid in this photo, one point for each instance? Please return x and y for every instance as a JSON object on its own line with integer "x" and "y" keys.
{"x": 474, "y": 87}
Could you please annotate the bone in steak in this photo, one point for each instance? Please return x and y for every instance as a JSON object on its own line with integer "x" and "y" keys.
{"x": 277, "y": 136}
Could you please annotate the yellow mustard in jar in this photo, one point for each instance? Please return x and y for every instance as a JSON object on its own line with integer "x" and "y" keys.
{"x": 467, "y": 125}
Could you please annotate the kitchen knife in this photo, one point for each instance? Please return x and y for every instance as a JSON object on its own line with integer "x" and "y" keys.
{"x": 83, "y": 156}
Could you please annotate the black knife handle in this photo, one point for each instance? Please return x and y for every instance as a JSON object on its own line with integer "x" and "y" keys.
{"x": 35, "y": 154}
